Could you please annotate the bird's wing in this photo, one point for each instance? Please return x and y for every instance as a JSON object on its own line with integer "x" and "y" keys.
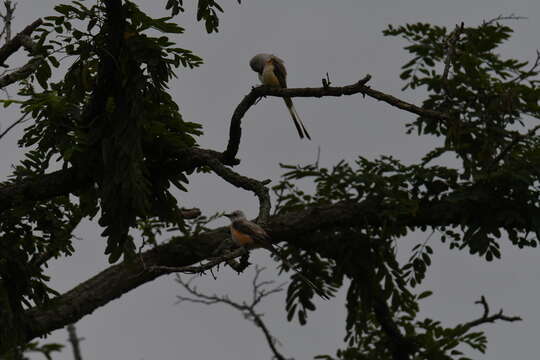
{"x": 280, "y": 71}
{"x": 253, "y": 230}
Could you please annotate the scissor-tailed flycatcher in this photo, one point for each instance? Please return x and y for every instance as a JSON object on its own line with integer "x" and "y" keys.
{"x": 250, "y": 235}
{"x": 272, "y": 72}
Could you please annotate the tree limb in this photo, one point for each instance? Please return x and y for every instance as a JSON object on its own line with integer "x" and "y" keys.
{"x": 75, "y": 341}
{"x": 21, "y": 73}
{"x": 14, "y": 44}
{"x": 247, "y": 309}
{"x": 487, "y": 318}
{"x": 359, "y": 87}
{"x": 15, "y": 123}
{"x": 257, "y": 187}
{"x": 71, "y": 180}
{"x": 296, "y": 228}
{"x": 209, "y": 264}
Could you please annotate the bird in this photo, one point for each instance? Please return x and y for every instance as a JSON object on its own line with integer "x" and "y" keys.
{"x": 272, "y": 72}
{"x": 250, "y": 235}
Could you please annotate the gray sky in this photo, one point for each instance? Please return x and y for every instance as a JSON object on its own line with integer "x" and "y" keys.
{"x": 344, "y": 39}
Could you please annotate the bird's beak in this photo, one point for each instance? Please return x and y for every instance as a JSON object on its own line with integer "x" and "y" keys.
{"x": 228, "y": 215}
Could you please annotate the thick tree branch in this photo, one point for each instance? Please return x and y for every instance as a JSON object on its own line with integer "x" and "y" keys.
{"x": 45, "y": 187}
{"x": 296, "y": 228}
{"x": 360, "y": 87}
{"x": 71, "y": 180}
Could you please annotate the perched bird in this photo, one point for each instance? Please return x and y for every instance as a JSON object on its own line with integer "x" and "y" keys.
{"x": 250, "y": 235}
{"x": 272, "y": 72}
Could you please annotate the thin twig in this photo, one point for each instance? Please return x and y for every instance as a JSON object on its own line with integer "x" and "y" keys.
{"x": 257, "y": 187}
{"x": 450, "y": 51}
{"x": 486, "y": 318}
{"x": 209, "y": 264}
{"x": 524, "y": 75}
{"x": 19, "y": 121}
{"x": 75, "y": 341}
{"x": 514, "y": 142}
{"x": 503, "y": 18}
{"x": 7, "y": 18}
{"x": 247, "y": 309}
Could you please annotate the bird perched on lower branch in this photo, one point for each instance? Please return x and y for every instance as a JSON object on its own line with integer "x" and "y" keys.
{"x": 272, "y": 73}
{"x": 250, "y": 235}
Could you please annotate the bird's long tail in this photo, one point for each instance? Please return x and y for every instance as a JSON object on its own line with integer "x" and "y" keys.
{"x": 296, "y": 119}
{"x": 307, "y": 281}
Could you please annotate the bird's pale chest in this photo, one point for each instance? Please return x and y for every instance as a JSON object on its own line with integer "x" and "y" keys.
{"x": 268, "y": 77}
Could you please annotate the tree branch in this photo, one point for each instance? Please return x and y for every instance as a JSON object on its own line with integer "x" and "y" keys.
{"x": 7, "y": 19}
{"x": 296, "y": 228}
{"x": 14, "y": 44}
{"x": 71, "y": 180}
{"x": 402, "y": 348}
{"x": 74, "y": 340}
{"x": 247, "y": 309}
{"x": 487, "y": 318}
{"x": 15, "y": 123}
{"x": 21, "y": 73}
{"x": 450, "y": 51}
{"x": 209, "y": 264}
{"x": 235, "y": 131}
{"x": 257, "y": 187}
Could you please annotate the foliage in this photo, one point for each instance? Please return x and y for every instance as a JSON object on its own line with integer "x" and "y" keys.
{"x": 110, "y": 119}
{"x": 492, "y": 192}
{"x": 207, "y": 11}
{"x": 46, "y": 350}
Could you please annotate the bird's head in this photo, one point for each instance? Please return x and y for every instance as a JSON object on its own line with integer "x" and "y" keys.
{"x": 258, "y": 62}
{"x": 235, "y": 215}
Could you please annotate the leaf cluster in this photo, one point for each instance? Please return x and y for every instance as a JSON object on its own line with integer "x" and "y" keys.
{"x": 492, "y": 193}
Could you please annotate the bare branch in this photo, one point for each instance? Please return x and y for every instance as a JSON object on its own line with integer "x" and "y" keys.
{"x": 450, "y": 51}
{"x": 19, "y": 121}
{"x": 247, "y": 309}
{"x": 487, "y": 318}
{"x": 7, "y": 18}
{"x": 523, "y": 75}
{"x": 503, "y": 18}
{"x": 359, "y": 87}
{"x": 210, "y": 263}
{"x": 257, "y": 187}
{"x": 74, "y": 340}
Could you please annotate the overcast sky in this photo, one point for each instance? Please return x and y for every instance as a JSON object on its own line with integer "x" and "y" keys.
{"x": 344, "y": 39}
